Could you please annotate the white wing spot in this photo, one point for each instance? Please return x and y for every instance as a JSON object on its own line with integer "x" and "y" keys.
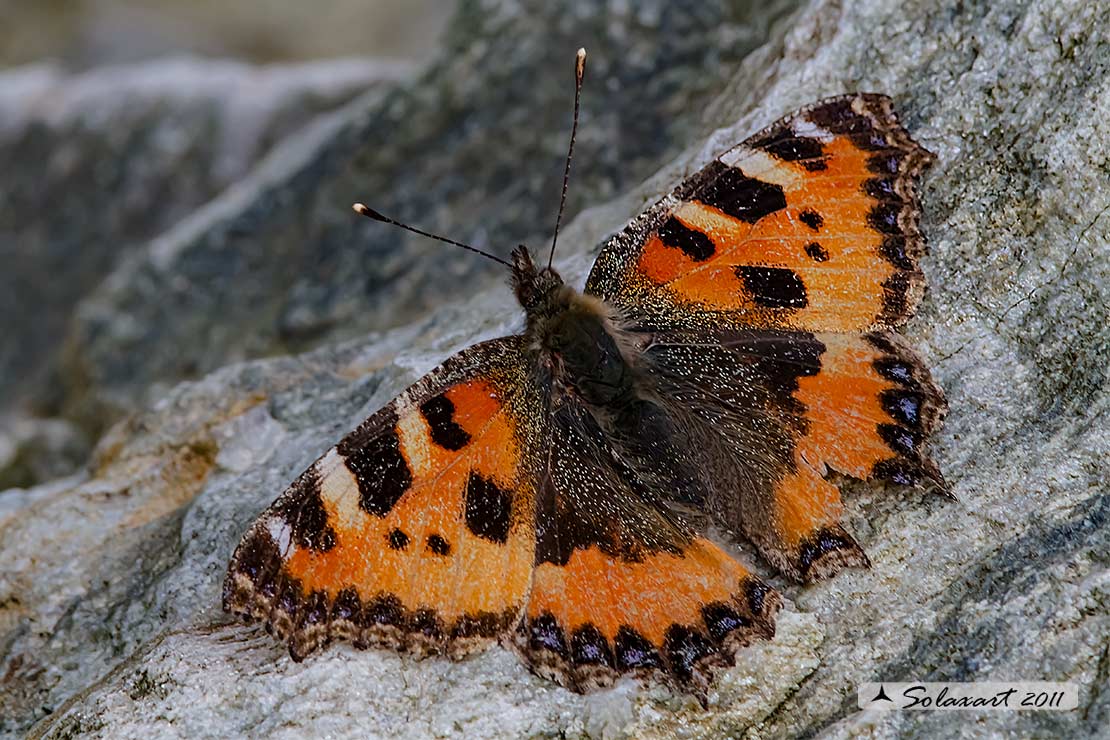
{"x": 282, "y": 534}
{"x": 414, "y": 434}
{"x": 804, "y": 127}
{"x": 759, "y": 165}
{"x": 339, "y": 489}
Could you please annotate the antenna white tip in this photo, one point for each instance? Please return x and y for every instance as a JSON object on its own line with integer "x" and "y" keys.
{"x": 365, "y": 210}
{"x": 580, "y": 63}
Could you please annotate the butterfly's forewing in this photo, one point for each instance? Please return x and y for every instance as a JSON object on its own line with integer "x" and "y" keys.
{"x": 810, "y": 224}
{"x": 417, "y": 530}
{"x": 622, "y": 585}
{"x": 769, "y": 281}
{"x": 772, "y": 413}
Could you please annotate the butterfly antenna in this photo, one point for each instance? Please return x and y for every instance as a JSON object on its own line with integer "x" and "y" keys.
{"x": 579, "y": 71}
{"x": 371, "y": 213}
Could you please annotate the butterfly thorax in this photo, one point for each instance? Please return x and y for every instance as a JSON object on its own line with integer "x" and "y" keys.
{"x": 573, "y": 334}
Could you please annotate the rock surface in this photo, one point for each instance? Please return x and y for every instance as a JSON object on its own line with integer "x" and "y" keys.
{"x": 98, "y": 163}
{"x": 109, "y": 601}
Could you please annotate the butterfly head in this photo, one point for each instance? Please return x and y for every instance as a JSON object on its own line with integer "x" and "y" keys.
{"x": 539, "y": 290}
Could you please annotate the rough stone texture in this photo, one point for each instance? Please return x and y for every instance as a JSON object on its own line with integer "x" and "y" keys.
{"x": 114, "y": 627}
{"x": 98, "y": 163}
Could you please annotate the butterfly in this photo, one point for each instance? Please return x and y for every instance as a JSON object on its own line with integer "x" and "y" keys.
{"x": 733, "y": 347}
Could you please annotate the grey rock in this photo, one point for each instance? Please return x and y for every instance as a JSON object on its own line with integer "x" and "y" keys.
{"x": 114, "y": 627}
{"x": 34, "y": 450}
{"x": 98, "y": 163}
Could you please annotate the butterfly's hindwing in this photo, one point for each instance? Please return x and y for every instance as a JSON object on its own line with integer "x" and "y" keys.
{"x": 771, "y": 413}
{"x": 622, "y": 584}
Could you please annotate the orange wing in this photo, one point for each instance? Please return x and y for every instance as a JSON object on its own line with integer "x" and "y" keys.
{"x": 810, "y": 224}
{"x": 859, "y": 405}
{"x": 622, "y": 585}
{"x": 769, "y": 414}
{"x": 770, "y": 282}
{"x": 416, "y": 531}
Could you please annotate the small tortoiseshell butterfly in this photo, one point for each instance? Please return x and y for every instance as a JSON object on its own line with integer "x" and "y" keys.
{"x": 733, "y": 346}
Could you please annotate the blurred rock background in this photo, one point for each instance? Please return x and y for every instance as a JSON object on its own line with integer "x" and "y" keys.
{"x": 118, "y": 119}
{"x": 81, "y": 34}
{"x": 190, "y": 314}
{"x": 100, "y": 162}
